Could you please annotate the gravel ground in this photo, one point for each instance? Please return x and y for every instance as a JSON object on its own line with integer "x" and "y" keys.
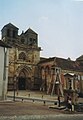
{"x": 29, "y": 110}
{"x": 33, "y": 111}
{"x": 25, "y": 108}
{"x": 43, "y": 117}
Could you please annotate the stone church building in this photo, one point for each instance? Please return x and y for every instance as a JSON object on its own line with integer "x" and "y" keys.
{"x": 23, "y": 57}
{"x": 27, "y": 70}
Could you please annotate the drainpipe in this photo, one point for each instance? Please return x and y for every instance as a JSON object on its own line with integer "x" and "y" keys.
{"x": 80, "y": 83}
{"x": 45, "y": 82}
{"x": 4, "y": 75}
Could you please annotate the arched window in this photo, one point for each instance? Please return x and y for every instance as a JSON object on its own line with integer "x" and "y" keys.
{"x": 22, "y": 56}
{"x": 8, "y": 32}
{"x": 22, "y": 40}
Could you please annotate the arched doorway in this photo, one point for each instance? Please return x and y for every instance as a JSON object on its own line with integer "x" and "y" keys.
{"x": 22, "y": 81}
{"x": 24, "y": 74}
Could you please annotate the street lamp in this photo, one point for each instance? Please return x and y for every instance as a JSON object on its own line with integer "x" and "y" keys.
{"x": 14, "y": 87}
{"x": 58, "y": 92}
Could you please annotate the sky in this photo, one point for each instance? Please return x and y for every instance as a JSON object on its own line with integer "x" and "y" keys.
{"x": 59, "y": 24}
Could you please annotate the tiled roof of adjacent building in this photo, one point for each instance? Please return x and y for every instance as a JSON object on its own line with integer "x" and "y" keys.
{"x": 46, "y": 60}
{"x": 68, "y": 64}
{"x": 65, "y": 64}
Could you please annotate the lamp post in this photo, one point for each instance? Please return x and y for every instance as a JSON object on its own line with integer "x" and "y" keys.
{"x": 4, "y": 90}
{"x": 58, "y": 92}
{"x": 14, "y": 78}
{"x": 14, "y": 87}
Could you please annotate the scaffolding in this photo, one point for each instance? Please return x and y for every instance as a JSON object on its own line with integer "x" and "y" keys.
{"x": 57, "y": 81}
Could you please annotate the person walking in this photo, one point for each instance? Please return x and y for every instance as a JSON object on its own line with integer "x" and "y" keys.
{"x": 70, "y": 104}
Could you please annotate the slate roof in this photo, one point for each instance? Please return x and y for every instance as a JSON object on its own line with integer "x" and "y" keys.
{"x": 30, "y": 31}
{"x": 9, "y": 25}
{"x": 3, "y": 44}
{"x": 80, "y": 58}
{"x": 65, "y": 64}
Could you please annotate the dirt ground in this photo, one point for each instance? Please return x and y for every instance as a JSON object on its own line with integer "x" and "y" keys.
{"x": 10, "y": 108}
{"x": 25, "y": 108}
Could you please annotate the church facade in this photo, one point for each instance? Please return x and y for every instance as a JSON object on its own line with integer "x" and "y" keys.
{"x": 27, "y": 70}
{"x": 23, "y": 57}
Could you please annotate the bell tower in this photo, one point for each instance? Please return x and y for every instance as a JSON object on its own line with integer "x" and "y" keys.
{"x": 9, "y": 33}
{"x": 32, "y": 45}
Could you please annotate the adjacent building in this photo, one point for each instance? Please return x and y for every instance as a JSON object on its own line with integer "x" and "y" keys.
{"x": 55, "y": 72}
{"x": 3, "y": 69}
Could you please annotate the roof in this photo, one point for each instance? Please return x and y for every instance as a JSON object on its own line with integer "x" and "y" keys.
{"x": 65, "y": 64}
{"x": 46, "y": 60}
{"x": 80, "y": 58}
{"x": 3, "y": 44}
{"x": 42, "y": 58}
{"x": 30, "y": 31}
{"x": 68, "y": 65}
{"x": 9, "y": 25}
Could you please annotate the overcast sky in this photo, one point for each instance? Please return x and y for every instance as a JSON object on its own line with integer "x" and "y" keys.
{"x": 59, "y": 24}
